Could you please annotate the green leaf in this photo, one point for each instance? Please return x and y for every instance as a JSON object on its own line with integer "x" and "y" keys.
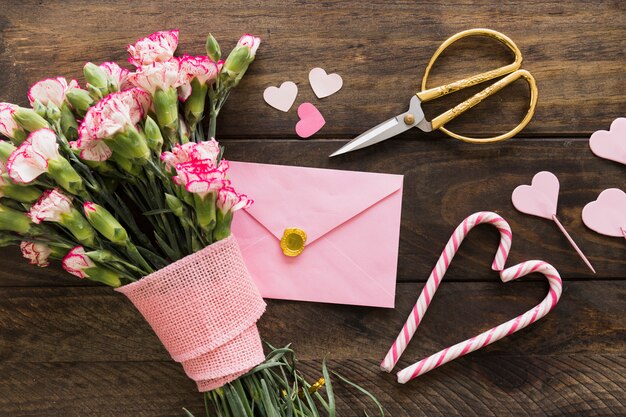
{"x": 187, "y": 413}
{"x": 166, "y": 248}
{"x": 363, "y": 391}
{"x": 235, "y": 402}
{"x": 267, "y": 399}
{"x": 329, "y": 390}
{"x": 157, "y": 211}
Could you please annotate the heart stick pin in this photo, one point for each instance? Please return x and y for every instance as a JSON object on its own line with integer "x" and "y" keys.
{"x": 485, "y": 338}
{"x": 541, "y": 199}
{"x": 610, "y": 144}
{"x": 607, "y": 215}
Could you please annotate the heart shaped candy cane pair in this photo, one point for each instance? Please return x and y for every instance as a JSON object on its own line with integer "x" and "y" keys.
{"x": 489, "y": 336}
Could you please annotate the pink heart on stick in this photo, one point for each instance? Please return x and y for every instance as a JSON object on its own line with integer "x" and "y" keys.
{"x": 540, "y": 198}
{"x": 610, "y": 144}
{"x": 607, "y": 215}
{"x": 311, "y": 120}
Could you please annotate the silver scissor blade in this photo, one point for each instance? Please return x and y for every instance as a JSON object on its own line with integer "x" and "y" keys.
{"x": 376, "y": 134}
{"x": 385, "y": 130}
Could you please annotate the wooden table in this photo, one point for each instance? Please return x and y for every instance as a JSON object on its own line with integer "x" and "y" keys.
{"x": 68, "y": 348}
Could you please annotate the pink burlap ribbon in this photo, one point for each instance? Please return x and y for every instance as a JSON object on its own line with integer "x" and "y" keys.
{"x": 204, "y": 309}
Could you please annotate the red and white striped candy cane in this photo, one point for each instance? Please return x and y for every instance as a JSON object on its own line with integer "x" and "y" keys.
{"x": 484, "y": 338}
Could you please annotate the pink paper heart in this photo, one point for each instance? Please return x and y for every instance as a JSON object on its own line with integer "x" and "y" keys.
{"x": 281, "y": 98}
{"x": 607, "y": 215}
{"x": 610, "y": 144}
{"x": 540, "y": 198}
{"x": 323, "y": 84}
{"x": 311, "y": 120}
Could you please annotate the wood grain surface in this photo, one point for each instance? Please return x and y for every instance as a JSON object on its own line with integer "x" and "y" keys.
{"x": 70, "y": 348}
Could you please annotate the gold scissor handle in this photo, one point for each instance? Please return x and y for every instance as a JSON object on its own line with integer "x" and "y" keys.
{"x": 511, "y": 69}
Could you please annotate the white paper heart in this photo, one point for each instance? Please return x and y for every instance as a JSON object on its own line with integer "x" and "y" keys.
{"x": 324, "y": 84}
{"x": 281, "y": 98}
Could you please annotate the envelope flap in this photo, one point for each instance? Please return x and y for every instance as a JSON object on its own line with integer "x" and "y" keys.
{"x": 312, "y": 199}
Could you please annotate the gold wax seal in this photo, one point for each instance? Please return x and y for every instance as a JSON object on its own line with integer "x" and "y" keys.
{"x": 292, "y": 242}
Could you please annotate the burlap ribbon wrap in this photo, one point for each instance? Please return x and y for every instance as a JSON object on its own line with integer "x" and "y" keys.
{"x": 204, "y": 309}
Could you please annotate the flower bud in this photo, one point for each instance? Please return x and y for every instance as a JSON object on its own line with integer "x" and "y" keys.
{"x": 204, "y": 206}
{"x": 21, "y": 193}
{"x": 104, "y": 275}
{"x": 213, "y": 48}
{"x": 131, "y": 144}
{"x": 57, "y": 252}
{"x": 14, "y": 221}
{"x": 237, "y": 60}
{"x": 94, "y": 92}
{"x": 174, "y": 204}
{"x": 69, "y": 127}
{"x": 79, "y": 227}
{"x": 194, "y": 106}
{"x": 96, "y": 77}
{"x": 166, "y": 108}
{"x": 102, "y": 256}
{"x": 29, "y": 119}
{"x": 6, "y": 149}
{"x": 53, "y": 113}
{"x": 78, "y": 263}
{"x": 251, "y": 43}
{"x": 105, "y": 223}
{"x": 80, "y": 100}
{"x": 153, "y": 135}
{"x": 65, "y": 175}
{"x": 39, "y": 108}
{"x": 222, "y": 225}
{"x": 54, "y": 206}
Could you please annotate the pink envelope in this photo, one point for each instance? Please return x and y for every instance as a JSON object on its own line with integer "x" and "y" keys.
{"x": 352, "y": 222}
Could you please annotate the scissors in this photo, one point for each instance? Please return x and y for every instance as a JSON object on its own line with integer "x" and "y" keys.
{"x": 414, "y": 117}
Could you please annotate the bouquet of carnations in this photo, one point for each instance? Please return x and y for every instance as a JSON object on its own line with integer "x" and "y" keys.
{"x": 124, "y": 183}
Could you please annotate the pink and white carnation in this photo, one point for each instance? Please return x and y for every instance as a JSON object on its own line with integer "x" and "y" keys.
{"x": 30, "y": 159}
{"x": 50, "y": 90}
{"x": 36, "y": 253}
{"x": 113, "y": 114}
{"x": 51, "y": 207}
{"x": 117, "y": 76}
{"x": 251, "y": 42}
{"x": 76, "y": 262}
{"x": 8, "y": 125}
{"x": 157, "y": 47}
{"x": 199, "y": 67}
{"x": 160, "y": 75}
{"x": 201, "y": 176}
{"x": 208, "y": 151}
{"x": 228, "y": 200}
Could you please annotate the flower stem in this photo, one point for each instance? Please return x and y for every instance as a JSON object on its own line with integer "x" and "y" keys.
{"x": 212, "y": 122}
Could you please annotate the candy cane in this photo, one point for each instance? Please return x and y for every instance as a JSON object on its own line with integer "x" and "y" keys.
{"x": 484, "y": 338}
